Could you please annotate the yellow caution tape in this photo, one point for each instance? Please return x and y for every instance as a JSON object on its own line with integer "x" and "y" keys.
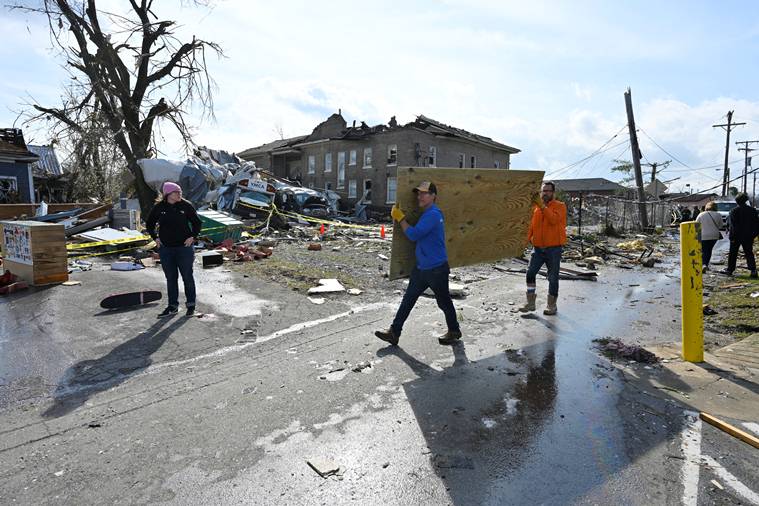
{"x": 123, "y": 240}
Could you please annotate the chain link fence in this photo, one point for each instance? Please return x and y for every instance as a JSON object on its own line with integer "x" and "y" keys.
{"x": 608, "y": 214}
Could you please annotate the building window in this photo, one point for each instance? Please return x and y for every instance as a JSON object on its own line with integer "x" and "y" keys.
{"x": 341, "y": 169}
{"x": 367, "y": 195}
{"x": 391, "y": 190}
{"x": 392, "y": 155}
{"x": 352, "y": 189}
{"x": 328, "y": 162}
{"x": 367, "y": 158}
{"x": 352, "y": 159}
{"x": 473, "y": 161}
{"x": 497, "y": 164}
{"x": 432, "y": 157}
{"x": 461, "y": 160}
{"x": 311, "y": 164}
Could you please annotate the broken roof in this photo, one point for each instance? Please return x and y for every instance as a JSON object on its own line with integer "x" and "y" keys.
{"x": 435, "y": 127}
{"x": 48, "y": 164}
{"x": 271, "y": 146}
{"x": 335, "y": 127}
{"x": 12, "y": 145}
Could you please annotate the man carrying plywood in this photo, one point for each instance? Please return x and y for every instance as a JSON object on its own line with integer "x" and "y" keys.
{"x": 547, "y": 234}
{"x": 431, "y": 270}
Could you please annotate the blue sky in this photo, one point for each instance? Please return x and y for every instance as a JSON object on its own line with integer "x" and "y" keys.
{"x": 545, "y": 77}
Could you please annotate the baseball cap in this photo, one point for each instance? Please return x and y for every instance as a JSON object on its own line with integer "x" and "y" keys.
{"x": 426, "y": 186}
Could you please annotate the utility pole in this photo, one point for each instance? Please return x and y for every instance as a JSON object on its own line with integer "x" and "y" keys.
{"x": 746, "y": 149}
{"x": 653, "y": 166}
{"x": 728, "y": 126}
{"x": 636, "y": 160}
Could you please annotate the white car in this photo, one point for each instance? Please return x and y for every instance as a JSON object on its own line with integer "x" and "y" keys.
{"x": 724, "y": 208}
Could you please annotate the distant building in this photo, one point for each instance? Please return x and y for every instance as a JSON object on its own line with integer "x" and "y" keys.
{"x": 594, "y": 186}
{"x": 361, "y": 159}
{"x": 689, "y": 199}
{"x": 16, "y": 160}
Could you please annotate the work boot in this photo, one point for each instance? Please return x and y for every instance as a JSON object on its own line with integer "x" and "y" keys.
{"x": 169, "y": 311}
{"x": 388, "y": 336}
{"x": 530, "y": 304}
{"x": 550, "y": 305}
{"x": 449, "y": 337}
{"x": 190, "y": 311}
{"x": 726, "y": 271}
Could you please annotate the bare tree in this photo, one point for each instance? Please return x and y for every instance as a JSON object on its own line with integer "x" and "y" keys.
{"x": 126, "y": 71}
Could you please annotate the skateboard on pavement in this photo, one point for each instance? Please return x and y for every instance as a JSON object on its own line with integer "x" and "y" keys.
{"x": 119, "y": 300}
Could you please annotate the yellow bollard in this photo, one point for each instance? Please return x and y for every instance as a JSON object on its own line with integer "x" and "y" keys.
{"x": 691, "y": 286}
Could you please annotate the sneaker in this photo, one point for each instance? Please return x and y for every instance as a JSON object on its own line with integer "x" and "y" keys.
{"x": 388, "y": 336}
{"x": 727, "y": 272}
{"x": 169, "y": 311}
{"x": 190, "y": 311}
{"x": 450, "y": 337}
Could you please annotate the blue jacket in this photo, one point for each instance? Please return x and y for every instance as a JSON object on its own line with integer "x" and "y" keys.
{"x": 429, "y": 236}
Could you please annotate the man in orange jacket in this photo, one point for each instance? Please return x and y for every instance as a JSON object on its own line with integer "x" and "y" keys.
{"x": 548, "y": 234}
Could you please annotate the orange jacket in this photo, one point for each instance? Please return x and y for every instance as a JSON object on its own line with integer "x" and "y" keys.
{"x": 549, "y": 225}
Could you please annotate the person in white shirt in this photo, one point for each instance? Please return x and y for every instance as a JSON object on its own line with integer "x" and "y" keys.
{"x": 710, "y": 221}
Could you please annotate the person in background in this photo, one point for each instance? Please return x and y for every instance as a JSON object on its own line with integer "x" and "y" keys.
{"x": 547, "y": 234}
{"x": 178, "y": 227}
{"x": 743, "y": 227}
{"x": 431, "y": 268}
{"x": 710, "y": 221}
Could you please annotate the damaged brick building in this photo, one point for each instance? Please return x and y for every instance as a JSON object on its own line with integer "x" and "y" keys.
{"x": 362, "y": 160}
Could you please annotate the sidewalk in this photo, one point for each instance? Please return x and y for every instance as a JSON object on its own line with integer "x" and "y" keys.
{"x": 723, "y": 385}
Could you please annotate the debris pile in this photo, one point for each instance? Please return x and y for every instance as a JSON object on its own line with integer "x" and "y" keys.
{"x": 615, "y": 349}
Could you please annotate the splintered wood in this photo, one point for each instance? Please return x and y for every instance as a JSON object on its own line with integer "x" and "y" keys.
{"x": 487, "y": 213}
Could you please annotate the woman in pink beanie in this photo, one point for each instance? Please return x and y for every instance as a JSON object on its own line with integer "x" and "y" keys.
{"x": 178, "y": 227}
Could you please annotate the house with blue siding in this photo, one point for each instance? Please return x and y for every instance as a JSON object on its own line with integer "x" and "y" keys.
{"x": 16, "y": 176}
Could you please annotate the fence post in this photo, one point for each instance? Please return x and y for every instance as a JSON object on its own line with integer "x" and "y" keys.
{"x": 691, "y": 289}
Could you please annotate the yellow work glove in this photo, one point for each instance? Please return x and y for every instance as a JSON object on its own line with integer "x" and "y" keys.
{"x": 397, "y": 214}
{"x": 538, "y": 200}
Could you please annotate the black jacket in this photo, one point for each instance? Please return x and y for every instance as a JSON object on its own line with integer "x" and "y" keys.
{"x": 743, "y": 223}
{"x": 176, "y": 222}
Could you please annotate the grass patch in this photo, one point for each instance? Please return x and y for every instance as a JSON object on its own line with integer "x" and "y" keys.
{"x": 736, "y": 310}
{"x": 296, "y": 276}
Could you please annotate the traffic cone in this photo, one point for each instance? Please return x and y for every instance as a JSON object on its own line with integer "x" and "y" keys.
{"x": 321, "y": 229}
{"x": 382, "y": 231}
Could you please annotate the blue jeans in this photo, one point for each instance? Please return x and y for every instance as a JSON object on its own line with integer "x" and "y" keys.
{"x": 177, "y": 260}
{"x": 551, "y": 257}
{"x": 437, "y": 280}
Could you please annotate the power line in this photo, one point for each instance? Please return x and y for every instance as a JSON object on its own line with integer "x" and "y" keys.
{"x": 594, "y": 153}
{"x": 665, "y": 151}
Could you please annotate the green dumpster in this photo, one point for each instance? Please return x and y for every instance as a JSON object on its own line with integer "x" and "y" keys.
{"x": 219, "y": 226}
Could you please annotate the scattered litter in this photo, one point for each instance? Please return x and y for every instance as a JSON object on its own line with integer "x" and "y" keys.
{"x": 355, "y": 291}
{"x": 317, "y": 300}
{"x": 453, "y": 462}
{"x": 79, "y": 265}
{"x": 71, "y": 283}
{"x": 327, "y": 286}
{"x": 211, "y": 258}
{"x": 314, "y": 246}
{"x": 754, "y": 295}
{"x": 382, "y": 257}
{"x": 707, "y": 309}
{"x": 648, "y": 262}
{"x": 385, "y": 465}
{"x": 126, "y": 266}
{"x": 489, "y": 423}
{"x": 323, "y": 467}
{"x": 94, "y": 425}
{"x": 636, "y": 245}
{"x": 58, "y": 473}
{"x": 361, "y": 366}
{"x": 616, "y": 349}
{"x": 247, "y": 331}
{"x": 717, "y": 484}
{"x": 457, "y": 291}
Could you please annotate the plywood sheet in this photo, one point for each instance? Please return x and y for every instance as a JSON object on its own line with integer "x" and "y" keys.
{"x": 487, "y": 213}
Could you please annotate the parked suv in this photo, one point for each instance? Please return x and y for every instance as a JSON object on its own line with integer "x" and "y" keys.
{"x": 723, "y": 208}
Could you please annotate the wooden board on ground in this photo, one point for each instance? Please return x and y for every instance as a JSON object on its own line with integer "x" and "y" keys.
{"x": 487, "y": 213}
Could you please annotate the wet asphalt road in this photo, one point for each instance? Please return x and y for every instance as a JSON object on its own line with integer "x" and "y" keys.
{"x": 121, "y": 408}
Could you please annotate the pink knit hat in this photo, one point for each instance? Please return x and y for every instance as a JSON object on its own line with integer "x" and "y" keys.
{"x": 169, "y": 187}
